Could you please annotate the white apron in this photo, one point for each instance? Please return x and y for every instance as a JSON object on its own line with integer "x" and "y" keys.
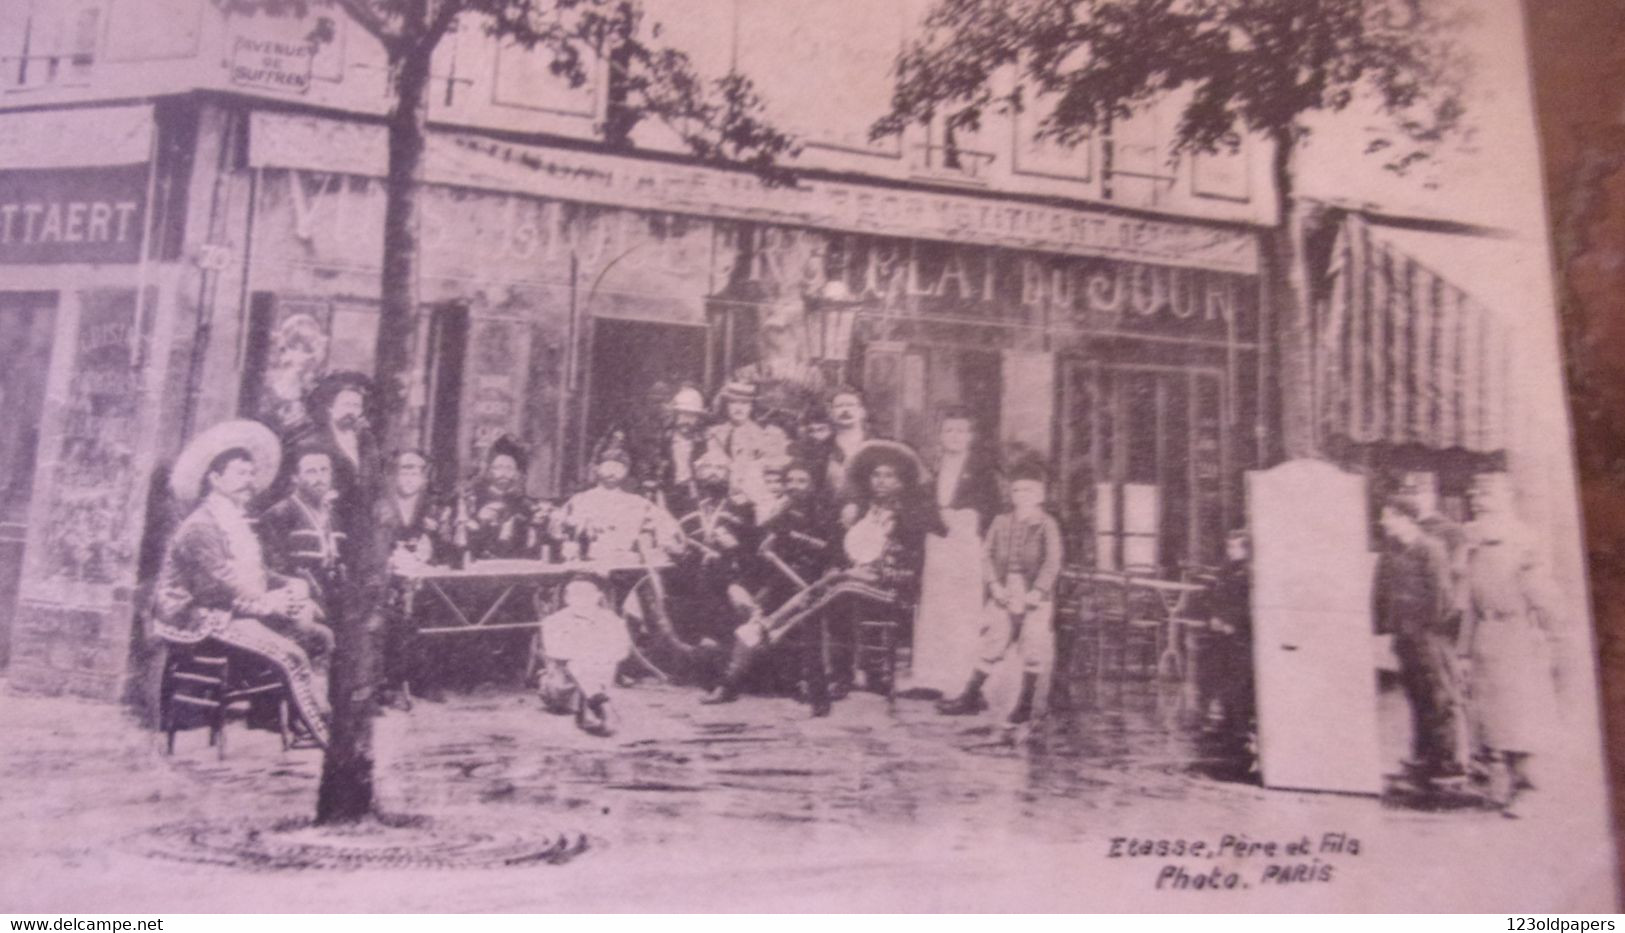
{"x": 947, "y": 627}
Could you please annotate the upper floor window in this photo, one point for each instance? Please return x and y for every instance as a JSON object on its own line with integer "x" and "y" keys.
{"x": 48, "y": 42}
{"x": 951, "y": 154}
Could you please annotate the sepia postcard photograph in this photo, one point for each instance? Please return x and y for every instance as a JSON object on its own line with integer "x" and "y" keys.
{"x": 524, "y": 456}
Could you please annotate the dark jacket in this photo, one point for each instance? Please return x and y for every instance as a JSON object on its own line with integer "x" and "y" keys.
{"x": 1031, "y": 549}
{"x": 304, "y": 542}
{"x": 1413, "y": 591}
{"x": 202, "y": 584}
{"x": 978, "y": 488}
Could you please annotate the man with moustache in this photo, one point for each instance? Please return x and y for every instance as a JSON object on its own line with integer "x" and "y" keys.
{"x": 338, "y": 423}
{"x": 301, "y": 533}
{"x": 496, "y": 520}
{"x": 719, "y": 530}
{"x": 214, "y": 582}
{"x": 851, "y": 423}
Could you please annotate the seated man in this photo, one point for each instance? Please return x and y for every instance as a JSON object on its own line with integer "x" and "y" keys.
{"x": 301, "y": 533}
{"x": 883, "y": 547}
{"x": 214, "y": 582}
{"x": 719, "y": 530}
{"x": 797, "y": 549}
{"x": 582, "y": 645}
{"x": 609, "y": 523}
{"x": 410, "y": 528}
{"x": 496, "y": 520}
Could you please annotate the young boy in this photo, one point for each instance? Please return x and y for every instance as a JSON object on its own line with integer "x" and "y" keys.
{"x": 582, "y": 644}
{"x": 1021, "y": 560}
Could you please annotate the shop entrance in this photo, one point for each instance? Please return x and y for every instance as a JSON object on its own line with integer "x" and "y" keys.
{"x": 1145, "y": 465}
{"x": 26, "y": 321}
{"x": 636, "y": 366}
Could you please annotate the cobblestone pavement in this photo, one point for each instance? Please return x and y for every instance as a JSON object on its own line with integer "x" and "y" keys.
{"x": 747, "y": 806}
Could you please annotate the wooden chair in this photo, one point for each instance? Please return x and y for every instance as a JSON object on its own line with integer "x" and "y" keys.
{"x": 878, "y": 639}
{"x": 202, "y": 682}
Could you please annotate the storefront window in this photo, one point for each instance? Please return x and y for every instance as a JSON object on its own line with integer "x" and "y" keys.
{"x": 1144, "y": 465}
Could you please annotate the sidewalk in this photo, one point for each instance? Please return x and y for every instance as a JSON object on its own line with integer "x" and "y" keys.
{"x": 747, "y": 806}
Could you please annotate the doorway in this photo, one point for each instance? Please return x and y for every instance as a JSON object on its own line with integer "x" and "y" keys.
{"x": 26, "y": 324}
{"x": 636, "y": 366}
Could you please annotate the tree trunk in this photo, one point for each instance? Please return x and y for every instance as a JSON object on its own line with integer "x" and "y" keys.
{"x": 1289, "y": 293}
{"x": 346, "y": 792}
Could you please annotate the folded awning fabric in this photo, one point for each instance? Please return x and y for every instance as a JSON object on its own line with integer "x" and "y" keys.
{"x": 1403, "y": 355}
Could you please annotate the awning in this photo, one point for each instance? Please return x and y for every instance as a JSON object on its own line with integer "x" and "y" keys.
{"x": 1402, "y": 354}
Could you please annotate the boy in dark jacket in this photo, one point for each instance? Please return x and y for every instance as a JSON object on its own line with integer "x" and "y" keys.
{"x": 1021, "y": 562}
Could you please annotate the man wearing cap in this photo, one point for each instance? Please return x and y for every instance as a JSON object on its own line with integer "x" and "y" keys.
{"x": 214, "y": 583}
{"x": 607, "y": 522}
{"x": 496, "y": 520}
{"x": 682, "y": 441}
{"x": 1510, "y": 638}
{"x": 738, "y": 436}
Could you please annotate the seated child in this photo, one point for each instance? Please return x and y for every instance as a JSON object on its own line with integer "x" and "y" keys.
{"x": 1021, "y": 560}
{"x": 582, "y": 644}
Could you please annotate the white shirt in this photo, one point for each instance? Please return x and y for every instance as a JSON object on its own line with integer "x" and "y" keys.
{"x": 247, "y": 560}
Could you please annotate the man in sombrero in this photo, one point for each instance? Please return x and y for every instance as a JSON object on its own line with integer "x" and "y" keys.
{"x": 886, "y": 519}
{"x": 214, "y": 582}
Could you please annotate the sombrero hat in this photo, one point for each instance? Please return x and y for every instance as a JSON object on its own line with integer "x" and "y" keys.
{"x": 186, "y": 479}
{"x": 874, "y": 453}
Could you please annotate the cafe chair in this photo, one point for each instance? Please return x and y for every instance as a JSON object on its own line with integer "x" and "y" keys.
{"x": 203, "y": 682}
{"x": 875, "y": 648}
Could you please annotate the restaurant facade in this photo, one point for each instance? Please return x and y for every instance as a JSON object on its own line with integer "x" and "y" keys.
{"x": 1127, "y": 348}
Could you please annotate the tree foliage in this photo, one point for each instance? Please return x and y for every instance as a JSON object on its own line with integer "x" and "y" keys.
{"x": 1258, "y": 65}
{"x": 719, "y": 119}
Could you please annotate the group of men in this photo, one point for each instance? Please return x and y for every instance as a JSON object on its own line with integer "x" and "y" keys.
{"x": 1469, "y": 609}
{"x": 742, "y": 510}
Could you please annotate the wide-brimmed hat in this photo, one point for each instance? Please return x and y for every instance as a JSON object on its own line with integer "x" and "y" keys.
{"x": 331, "y": 384}
{"x": 186, "y": 478}
{"x": 875, "y": 453}
{"x": 688, "y": 401}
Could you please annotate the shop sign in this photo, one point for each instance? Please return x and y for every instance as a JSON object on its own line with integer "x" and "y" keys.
{"x": 313, "y": 143}
{"x": 271, "y": 64}
{"x": 95, "y": 215}
{"x": 946, "y": 281}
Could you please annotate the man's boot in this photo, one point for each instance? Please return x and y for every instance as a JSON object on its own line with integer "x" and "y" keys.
{"x": 969, "y": 702}
{"x": 1024, "y": 701}
{"x": 740, "y": 659}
